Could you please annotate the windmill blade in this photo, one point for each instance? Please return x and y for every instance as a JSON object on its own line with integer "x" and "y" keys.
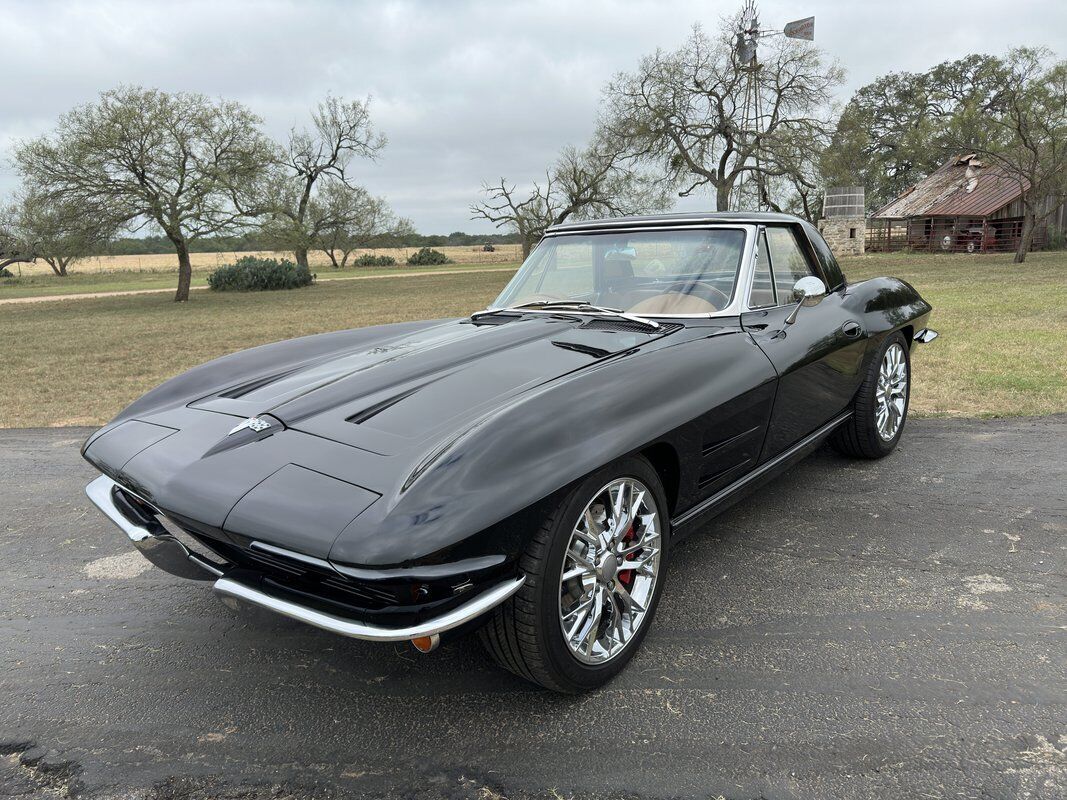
{"x": 801, "y": 29}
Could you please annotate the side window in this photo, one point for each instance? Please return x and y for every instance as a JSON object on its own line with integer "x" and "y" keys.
{"x": 762, "y": 294}
{"x": 789, "y": 262}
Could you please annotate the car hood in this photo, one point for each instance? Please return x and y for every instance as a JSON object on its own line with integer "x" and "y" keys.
{"x": 389, "y": 397}
{"x": 346, "y": 427}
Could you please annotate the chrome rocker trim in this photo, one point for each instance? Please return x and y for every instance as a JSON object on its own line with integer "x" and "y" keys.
{"x": 472, "y": 609}
{"x": 169, "y": 554}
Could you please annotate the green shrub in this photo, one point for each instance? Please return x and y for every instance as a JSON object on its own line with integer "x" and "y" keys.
{"x": 5, "y": 273}
{"x": 368, "y": 260}
{"x": 1057, "y": 240}
{"x": 427, "y": 257}
{"x": 252, "y": 274}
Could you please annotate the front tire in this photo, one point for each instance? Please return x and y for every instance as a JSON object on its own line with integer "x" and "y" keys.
{"x": 594, "y": 575}
{"x": 880, "y": 407}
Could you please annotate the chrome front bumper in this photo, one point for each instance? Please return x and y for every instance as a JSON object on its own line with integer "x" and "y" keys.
{"x": 154, "y": 541}
{"x": 164, "y": 550}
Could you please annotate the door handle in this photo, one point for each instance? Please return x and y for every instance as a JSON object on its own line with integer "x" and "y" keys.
{"x": 852, "y": 329}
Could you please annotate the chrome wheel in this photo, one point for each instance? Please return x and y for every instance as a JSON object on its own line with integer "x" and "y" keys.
{"x": 609, "y": 571}
{"x": 892, "y": 393}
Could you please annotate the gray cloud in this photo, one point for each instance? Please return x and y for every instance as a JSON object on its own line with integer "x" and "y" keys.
{"x": 466, "y": 91}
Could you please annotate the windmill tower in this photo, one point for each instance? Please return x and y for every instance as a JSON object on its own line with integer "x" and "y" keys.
{"x": 748, "y": 192}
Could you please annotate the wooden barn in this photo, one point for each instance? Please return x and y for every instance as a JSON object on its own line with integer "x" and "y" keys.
{"x": 965, "y": 206}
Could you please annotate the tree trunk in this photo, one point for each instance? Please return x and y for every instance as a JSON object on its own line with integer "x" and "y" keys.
{"x": 722, "y": 197}
{"x": 527, "y": 246}
{"x": 1026, "y": 239}
{"x": 185, "y": 269}
{"x": 301, "y": 254}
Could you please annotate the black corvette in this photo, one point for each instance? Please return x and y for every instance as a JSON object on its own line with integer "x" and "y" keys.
{"x": 525, "y": 471}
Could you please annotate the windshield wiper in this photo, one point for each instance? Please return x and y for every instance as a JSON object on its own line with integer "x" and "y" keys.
{"x": 577, "y": 305}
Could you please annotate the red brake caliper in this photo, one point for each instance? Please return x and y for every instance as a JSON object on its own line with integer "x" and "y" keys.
{"x": 626, "y": 576}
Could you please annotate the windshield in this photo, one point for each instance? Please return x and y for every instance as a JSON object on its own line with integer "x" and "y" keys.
{"x": 648, "y": 272}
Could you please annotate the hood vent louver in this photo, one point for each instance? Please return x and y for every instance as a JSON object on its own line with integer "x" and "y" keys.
{"x": 242, "y": 389}
{"x": 371, "y": 411}
{"x": 493, "y": 319}
{"x": 617, "y": 324}
{"x": 589, "y": 350}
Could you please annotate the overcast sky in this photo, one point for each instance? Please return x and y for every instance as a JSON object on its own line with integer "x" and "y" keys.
{"x": 465, "y": 91}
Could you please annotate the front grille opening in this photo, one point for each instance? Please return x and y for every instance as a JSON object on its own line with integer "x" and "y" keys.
{"x": 321, "y": 582}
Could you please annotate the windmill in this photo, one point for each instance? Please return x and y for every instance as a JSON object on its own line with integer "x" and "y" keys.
{"x": 748, "y": 191}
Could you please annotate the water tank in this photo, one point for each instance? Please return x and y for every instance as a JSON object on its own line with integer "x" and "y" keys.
{"x": 844, "y": 201}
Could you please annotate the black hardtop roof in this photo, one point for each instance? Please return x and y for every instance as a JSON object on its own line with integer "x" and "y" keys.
{"x": 689, "y": 218}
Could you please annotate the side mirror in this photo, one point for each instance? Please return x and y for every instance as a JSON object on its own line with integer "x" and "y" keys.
{"x": 809, "y": 291}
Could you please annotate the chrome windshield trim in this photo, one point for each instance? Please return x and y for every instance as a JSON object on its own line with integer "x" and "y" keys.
{"x": 486, "y": 601}
{"x": 744, "y": 271}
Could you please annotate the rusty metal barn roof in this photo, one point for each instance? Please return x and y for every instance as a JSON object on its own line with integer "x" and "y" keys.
{"x": 963, "y": 187}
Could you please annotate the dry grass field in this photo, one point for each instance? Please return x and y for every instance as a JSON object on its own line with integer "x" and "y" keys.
{"x": 168, "y": 262}
{"x": 1002, "y": 351}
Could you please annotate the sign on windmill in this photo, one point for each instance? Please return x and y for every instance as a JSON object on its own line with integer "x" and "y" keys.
{"x": 801, "y": 29}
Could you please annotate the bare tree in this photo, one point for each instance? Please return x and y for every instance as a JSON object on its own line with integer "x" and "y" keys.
{"x": 684, "y": 111}
{"x": 57, "y": 234}
{"x": 582, "y": 183}
{"x": 342, "y": 130}
{"x": 14, "y": 249}
{"x": 1024, "y": 134}
{"x": 346, "y": 218}
{"x": 146, "y": 157}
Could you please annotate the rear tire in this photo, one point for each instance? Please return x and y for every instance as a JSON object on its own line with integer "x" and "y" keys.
{"x": 880, "y": 407}
{"x": 526, "y": 634}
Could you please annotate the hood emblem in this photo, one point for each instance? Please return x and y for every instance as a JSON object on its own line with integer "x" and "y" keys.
{"x": 252, "y": 423}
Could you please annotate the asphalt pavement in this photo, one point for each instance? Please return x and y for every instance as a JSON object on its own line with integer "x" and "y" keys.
{"x": 855, "y": 629}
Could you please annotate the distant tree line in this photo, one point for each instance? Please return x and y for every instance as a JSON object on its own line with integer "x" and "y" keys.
{"x": 255, "y": 241}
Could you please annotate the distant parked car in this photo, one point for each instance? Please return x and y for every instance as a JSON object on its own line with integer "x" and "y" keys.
{"x": 488, "y": 248}
{"x": 969, "y": 239}
{"x": 524, "y": 471}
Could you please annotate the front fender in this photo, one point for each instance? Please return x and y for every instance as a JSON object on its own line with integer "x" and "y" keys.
{"x": 887, "y": 305}
{"x": 486, "y": 487}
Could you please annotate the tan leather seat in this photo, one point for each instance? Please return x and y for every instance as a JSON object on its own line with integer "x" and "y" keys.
{"x": 673, "y": 303}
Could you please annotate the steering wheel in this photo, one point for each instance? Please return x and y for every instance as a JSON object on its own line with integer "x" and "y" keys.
{"x": 714, "y": 296}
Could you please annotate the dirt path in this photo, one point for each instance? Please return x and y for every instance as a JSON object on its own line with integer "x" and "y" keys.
{"x": 48, "y": 298}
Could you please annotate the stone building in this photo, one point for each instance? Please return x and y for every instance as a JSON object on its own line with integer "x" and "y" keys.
{"x": 844, "y": 223}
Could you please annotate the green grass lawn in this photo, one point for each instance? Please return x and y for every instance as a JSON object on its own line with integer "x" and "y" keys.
{"x": 133, "y": 280}
{"x": 1003, "y": 326}
{"x": 1002, "y": 351}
